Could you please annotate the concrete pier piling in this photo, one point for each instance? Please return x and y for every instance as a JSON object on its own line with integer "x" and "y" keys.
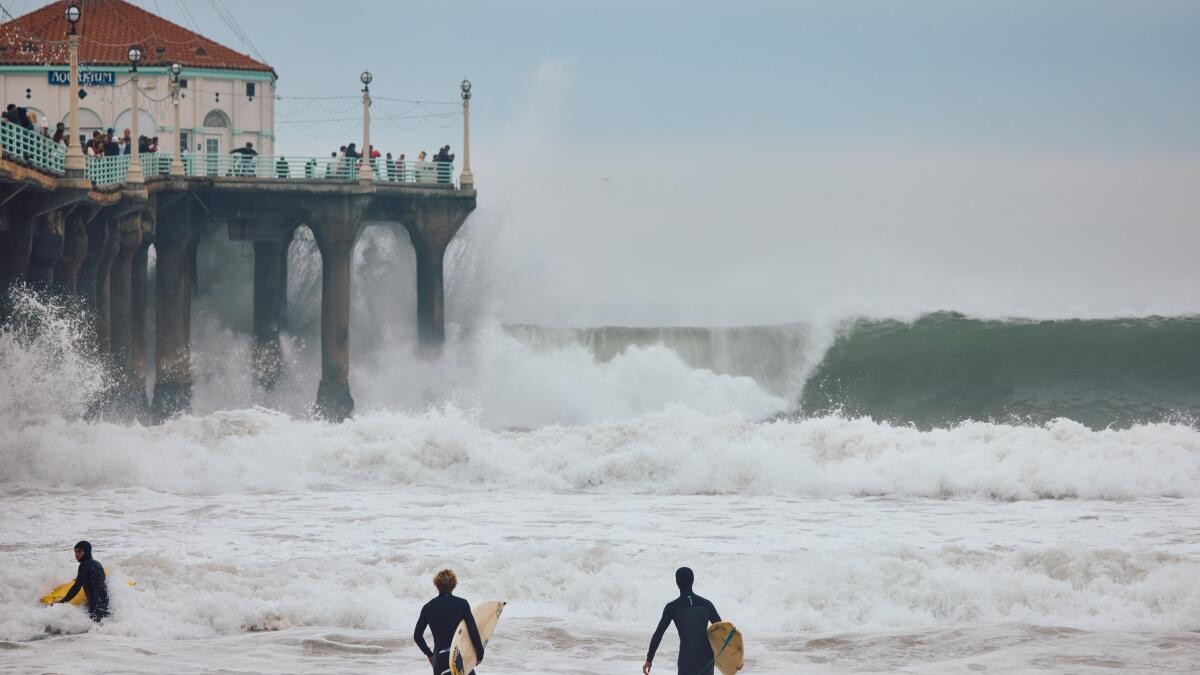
{"x": 172, "y": 298}
{"x": 135, "y": 383}
{"x": 270, "y": 309}
{"x": 87, "y": 283}
{"x": 112, "y": 245}
{"x": 48, "y": 238}
{"x": 75, "y": 249}
{"x": 336, "y": 227}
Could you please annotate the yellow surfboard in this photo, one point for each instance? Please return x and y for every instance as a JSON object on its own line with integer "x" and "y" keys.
{"x": 462, "y": 652}
{"x": 728, "y": 650}
{"x": 60, "y": 592}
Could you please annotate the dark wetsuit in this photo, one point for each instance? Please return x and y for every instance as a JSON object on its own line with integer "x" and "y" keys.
{"x": 90, "y": 578}
{"x": 691, "y": 614}
{"x": 442, "y": 615}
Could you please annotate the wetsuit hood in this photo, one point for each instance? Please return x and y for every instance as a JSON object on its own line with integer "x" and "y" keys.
{"x": 684, "y": 578}
{"x": 86, "y": 547}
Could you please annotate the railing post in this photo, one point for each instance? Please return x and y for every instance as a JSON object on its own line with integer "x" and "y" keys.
{"x": 366, "y": 174}
{"x": 74, "y": 164}
{"x": 134, "y": 174}
{"x": 466, "y": 179}
{"x": 176, "y": 161}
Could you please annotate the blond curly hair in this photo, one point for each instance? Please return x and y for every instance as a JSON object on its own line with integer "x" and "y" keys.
{"x": 445, "y": 581}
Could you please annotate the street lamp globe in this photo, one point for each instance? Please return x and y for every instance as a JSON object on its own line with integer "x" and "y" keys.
{"x": 176, "y": 69}
{"x": 366, "y": 77}
{"x": 73, "y": 14}
{"x": 466, "y": 89}
{"x": 135, "y": 54}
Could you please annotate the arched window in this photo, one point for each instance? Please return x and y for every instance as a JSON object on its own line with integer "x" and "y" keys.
{"x": 146, "y": 124}
{"x": 89, "y": 121}
{"x": 216, "y": 119}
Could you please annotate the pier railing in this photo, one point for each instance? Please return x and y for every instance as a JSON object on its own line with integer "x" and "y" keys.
{"x": 30, "y": 147}
{"x": 106, "y": 170}
{"x": 112, "y": 170}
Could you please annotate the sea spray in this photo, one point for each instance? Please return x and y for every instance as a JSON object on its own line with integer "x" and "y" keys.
{"x": 48, "y": 370}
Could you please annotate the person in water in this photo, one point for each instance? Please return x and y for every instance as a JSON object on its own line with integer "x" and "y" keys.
{"x": 90, "y": 579}
{"x": 442, "y": 615}
{"x": 691, "y": 614}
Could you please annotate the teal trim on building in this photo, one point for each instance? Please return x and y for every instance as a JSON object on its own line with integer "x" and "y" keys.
{"x": 211, "y": 73}
{"x": 238, "y": 132}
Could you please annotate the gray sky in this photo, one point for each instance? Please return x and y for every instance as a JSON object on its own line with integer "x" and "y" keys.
{"x": 707, "y": 162}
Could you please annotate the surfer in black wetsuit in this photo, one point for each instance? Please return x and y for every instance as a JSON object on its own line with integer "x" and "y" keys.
{"x": 441, "y": 615}
{"x": 90, "y": 579}
{"x": 691, "y": 614}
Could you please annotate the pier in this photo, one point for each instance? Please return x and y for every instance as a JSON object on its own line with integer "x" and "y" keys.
{"x": 86, "y": 235}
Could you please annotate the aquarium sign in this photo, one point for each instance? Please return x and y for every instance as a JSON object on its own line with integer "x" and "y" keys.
{"x": 91, "y": 78}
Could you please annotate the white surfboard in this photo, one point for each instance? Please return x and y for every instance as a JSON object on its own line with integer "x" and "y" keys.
{"x": 462, "y": 653}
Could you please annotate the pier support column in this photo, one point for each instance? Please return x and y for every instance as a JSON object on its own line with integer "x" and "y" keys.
{"x": 121, "y": 298}
{"x": 431, "y": 302}
{"x": 172, "y": 303}
{"x": 48, "y": 238}
{"x": 336, "y": 230}
{"x": 112, "y": 244}
{"x": 136, "y": 382}
{"x": 20, "y": 246}
{"x": 88, "y": 285}
{"x": 431, "y": 227}
{"x": 334, "y": 402}
{"x": 270, "y": 309}
{"x": 75, "y": 250}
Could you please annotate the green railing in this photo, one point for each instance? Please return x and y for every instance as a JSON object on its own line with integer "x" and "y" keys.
{"x": 30, "y": 147}
{"x": 413, "y": 171}
{"x": 107, "y": 170}
{"x": 112, "y": 170}
{"x": 266, "y": 166}
{"x": 155, "y": 163}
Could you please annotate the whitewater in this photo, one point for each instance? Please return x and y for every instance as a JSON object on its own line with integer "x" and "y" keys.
{"x": 569, "y": 472}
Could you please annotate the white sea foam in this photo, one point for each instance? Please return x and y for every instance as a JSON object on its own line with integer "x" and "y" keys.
{"x": 676, "y": 451}
{"x": 362, "y": 560}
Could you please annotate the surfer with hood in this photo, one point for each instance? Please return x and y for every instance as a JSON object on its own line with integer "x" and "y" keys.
{"x": 691, "y": 615}
{"x": 441, "y": 616}
{"x": 90, "y": 579}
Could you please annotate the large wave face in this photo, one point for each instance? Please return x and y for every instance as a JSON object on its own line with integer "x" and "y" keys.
{"x": 945, "y": 368}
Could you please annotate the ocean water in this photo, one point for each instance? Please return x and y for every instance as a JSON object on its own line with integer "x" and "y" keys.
{"x": 570, "y": 471}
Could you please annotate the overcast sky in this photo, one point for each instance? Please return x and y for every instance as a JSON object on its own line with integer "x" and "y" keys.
{"x": 730, "y": 162}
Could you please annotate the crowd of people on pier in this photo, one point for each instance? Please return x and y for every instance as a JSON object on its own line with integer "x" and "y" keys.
{"x": 346, "y": 162}
{"x": 105, "y": 143}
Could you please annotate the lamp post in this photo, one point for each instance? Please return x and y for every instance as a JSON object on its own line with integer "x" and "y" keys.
{"x": 366, "y": 175}
{"x": 466, "y": 179}
{"x": 134, "y": 174}
{"x": 176, "y": 160}
{"x": 75, "y": 163}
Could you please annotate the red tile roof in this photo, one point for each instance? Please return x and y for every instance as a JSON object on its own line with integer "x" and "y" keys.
{"x": 107, "y": 28}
